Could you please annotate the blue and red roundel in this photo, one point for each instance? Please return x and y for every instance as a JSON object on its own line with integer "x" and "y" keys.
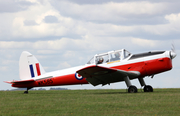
{"x": 78, "y": 76}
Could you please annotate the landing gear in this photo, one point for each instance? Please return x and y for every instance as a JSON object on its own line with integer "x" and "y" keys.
{"x": 132, "y": 89}
{"x": 26, "y": 92}
{"x": 148, "y": 88}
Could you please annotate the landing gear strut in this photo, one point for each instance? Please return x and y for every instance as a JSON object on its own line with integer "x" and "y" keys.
{"x": 147, "y": 88}
{"x": 131, "y": 88}
{"x": 26, "y": 92}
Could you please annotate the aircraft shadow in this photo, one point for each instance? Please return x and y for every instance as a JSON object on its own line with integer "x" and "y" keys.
{"x": 103, "y": 92}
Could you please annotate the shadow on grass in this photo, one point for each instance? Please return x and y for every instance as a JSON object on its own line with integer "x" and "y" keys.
{"x": 124, "y": 91}
{"x": 119, "y": 92}
{"x": 59, "y": 92}
{"x": 40, "y": 92}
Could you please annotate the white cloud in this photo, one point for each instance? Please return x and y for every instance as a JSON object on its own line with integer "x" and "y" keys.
{"x": 171, "y": 28}
{"x": 13, "y": 5}
{"x": 110, "y": 11}
{"x": 46, "y": 51}
{"x": 144, "y": 42}
{"x": 4, "y": 68}
{"x": 14, "y": 45}
{"x": 173, "y": 18}
{"x": 64, "y": 65}
{"x": 33, "y": 25}
{"x": 30, "y": 23}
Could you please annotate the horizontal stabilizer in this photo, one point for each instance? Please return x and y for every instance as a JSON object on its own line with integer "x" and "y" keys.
{"x": 20, "y": 82}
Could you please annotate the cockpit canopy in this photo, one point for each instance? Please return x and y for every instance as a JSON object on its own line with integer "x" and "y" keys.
{"x": 111, "y": 56}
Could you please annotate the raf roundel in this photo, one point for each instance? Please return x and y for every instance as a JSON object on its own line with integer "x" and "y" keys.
{"x": 78, "y": 76}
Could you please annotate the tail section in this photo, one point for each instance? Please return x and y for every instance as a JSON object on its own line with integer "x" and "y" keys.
{"x": 29, "y": 66}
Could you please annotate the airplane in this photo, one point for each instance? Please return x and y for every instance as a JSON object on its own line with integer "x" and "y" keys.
{"x": 105, "y": 68}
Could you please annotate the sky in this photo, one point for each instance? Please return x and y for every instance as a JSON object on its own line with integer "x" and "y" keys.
{"x": 67, "y": 33}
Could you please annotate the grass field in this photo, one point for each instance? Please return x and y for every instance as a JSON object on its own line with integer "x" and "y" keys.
{"x": 162, "y": 102}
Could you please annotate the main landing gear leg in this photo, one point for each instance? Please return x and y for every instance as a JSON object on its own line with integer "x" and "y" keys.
{"x": 131, "y": 88}
{"x": 26, "y": 92}
{"x": 147, "y": 88}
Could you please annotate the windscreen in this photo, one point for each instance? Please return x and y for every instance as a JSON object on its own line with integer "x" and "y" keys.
{"x": 102, "y": 59}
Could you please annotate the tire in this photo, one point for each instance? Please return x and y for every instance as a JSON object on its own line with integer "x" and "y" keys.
{"x": 148, "y": 88}
{"x": 132, "y": 89}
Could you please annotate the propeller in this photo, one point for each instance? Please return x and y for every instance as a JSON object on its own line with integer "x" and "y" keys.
{"x": 172, "y": 52}
{"x": 172, "y": 47}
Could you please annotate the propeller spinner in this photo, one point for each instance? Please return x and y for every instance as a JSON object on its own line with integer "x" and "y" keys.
{"x": 172, "y": 52}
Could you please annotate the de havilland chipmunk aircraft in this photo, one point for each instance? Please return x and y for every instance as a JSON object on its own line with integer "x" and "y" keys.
{"x": 105, "y": 68}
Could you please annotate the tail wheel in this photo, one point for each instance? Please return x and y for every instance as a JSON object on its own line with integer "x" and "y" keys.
{"x": 132, "y": 89}
{"x": 148, "y": 88}
{"x": 25, "y": 92}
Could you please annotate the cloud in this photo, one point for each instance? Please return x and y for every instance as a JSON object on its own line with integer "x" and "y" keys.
{"x": 124, "y": 13}
{"x": 116, "y": 1}
{"x": 174, "y": 20}
{"x": 14, "y": 5}
{"x": 4, "y": 68}
{"x": 143, "y": 42}
{"x": 13, "y": 44}
{"x": 30, "y": 23}
{"x": 51, "y": 19}
{"x": 64, "y": 65}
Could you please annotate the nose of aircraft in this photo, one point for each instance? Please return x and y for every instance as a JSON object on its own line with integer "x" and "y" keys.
{"x": 172, "y": 54}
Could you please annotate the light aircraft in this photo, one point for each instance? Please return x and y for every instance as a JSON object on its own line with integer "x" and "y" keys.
{"x": 105, "y": 68}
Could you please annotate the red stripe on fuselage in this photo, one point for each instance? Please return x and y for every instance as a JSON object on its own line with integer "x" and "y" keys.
{"x": 38, "y": 69}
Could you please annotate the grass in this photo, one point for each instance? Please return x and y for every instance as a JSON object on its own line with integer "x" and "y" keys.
{"x": 90, "y": 103}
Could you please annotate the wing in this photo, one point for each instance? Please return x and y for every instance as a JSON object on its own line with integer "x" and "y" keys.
{"x": 102, "y": 75}
{"x": 20, "y": 82}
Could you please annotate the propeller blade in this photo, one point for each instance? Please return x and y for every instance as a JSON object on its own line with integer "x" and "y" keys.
{"x": 172, "y": 52}
{"x": 172, "y": 47}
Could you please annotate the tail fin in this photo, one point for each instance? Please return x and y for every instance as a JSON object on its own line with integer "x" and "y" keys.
{"x": 29, "y": 66}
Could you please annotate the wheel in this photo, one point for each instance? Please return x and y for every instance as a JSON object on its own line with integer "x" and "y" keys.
{"x": 132, "y": 89}
{"x": 25, "y": 92}
{"x": 148, "y": 88}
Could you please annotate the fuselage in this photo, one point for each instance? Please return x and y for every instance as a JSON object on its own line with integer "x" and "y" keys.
{"x": 147, "y": 64}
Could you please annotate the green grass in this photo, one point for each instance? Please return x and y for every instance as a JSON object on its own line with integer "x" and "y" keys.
{"x": 162, "y": 102}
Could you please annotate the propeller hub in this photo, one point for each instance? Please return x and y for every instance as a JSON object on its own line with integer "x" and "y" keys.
{"x": 173, "y": 54}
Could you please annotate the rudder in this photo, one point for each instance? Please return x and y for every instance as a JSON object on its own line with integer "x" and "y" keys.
{"x": 29, "y": 66}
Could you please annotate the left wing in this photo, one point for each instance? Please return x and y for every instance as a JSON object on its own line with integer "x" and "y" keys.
{"x": 102, "y": 75}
